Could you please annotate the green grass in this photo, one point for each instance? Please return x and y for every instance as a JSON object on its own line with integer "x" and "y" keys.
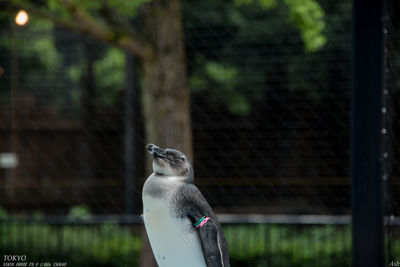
{"x": 113, "y": 245}
{"x": 104, "y": 245}
{"x": 285, "y": 245}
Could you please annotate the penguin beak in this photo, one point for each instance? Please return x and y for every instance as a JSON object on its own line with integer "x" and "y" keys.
{"x": 156, "y": 151}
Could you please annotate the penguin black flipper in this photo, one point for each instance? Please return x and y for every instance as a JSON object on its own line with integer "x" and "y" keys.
{"x": 204, "y": 221}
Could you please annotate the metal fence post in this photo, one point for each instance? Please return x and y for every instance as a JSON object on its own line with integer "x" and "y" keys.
{"x": 130, "y": 138}
{"x": 366, "y": 133}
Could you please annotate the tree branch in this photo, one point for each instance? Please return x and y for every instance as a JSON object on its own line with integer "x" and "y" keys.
{"x": 100, "y": 31}
{"x": 85, "y": 23}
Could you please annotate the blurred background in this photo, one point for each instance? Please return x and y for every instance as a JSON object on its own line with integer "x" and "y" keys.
{"x": 256, "y": 92}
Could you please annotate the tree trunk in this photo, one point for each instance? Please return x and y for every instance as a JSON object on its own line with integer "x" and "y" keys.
{"x": 165, "y": 94}
{"x": 165, "y": 97}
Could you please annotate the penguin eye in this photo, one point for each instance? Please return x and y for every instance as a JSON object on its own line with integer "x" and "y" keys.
{"x": 180, "y": 158}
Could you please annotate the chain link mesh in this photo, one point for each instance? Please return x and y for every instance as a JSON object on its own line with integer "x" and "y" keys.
{"x": 270, "y": 120}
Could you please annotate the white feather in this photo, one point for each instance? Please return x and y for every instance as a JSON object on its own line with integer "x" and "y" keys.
{"x": 174, "y": 241}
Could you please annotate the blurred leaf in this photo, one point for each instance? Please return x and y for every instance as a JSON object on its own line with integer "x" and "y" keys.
{"x": 89, "y": 5}
{"x": 308, "y": 16}
{"x": 58, "y": 7}
{"x": 265, "y": 4}
{"x": 38, "y": 215}
{"x": 237, "y": 103}
{"x": 76, "y": 71}
{"x": 3, "y": 213}
{"x": 49, "y": 59}
{"x": 197, "y": 83}
{"x": 243, "y": 2}
{"x": 109, "y": 72}
{"x": 109, "y": 76}
{"x": 125, "y": 7}
{"x": 79, "y": 212}
{"x": 222, "y": 75}
{"x": 220, "y": 81}
{"x": 41, "y": 45}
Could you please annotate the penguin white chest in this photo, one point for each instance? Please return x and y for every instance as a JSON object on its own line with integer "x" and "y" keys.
{"x": 174, "y": 241}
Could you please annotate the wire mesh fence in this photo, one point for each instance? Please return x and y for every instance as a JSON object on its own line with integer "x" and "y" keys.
{"x": 270, "y": 120}
{"x": 284, "y": 146}
{"x": 270, "y": 126}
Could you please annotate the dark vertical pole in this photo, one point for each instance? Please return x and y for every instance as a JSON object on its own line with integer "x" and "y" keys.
{"x": 11, "y": 172}
{"x": 366, "y": 133}
{"x": 88, "y": 115}
{"x": 386, "y": 140}
{"x": 131, "y": 102}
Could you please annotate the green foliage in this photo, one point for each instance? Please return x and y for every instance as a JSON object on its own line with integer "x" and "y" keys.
{"x": 224, "y": 80}
{"x": 249, "y": 245}
{"x": 109, "y": 74}
{"x": 88, "y": 5}
{"x": 109, "y": 77}
{"x": 127, "y": 8}
{"x": 235, "y": 72}
{"x": 277, "y": 245}
{"x": 104, "y": 245}
{"x": 74, "y": 73}
{"x": 38, "y": 215}
{"x": 265, "y": 4}
{"x": 58, "y": 8}
{"x": 3, "y": 213}
{"x": 46, "y": 61}
{"x": 79, "y": 212}
{"x": 41, "y": 48}
{"x": 308, "y": 16}
{"x": 34, "y": 48}
{"x": 221, "y": 74}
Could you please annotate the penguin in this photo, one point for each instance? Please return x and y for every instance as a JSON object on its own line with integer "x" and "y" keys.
{"x": 182, "y": 228}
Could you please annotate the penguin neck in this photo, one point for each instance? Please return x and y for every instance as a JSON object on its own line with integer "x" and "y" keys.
{"x": 161, "y": 185}
{"x": 165, "y": 179}
{"x": 162, "y": 177}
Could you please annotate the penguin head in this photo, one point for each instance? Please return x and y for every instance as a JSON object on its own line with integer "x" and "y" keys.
{"x": 171, "y": 162}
